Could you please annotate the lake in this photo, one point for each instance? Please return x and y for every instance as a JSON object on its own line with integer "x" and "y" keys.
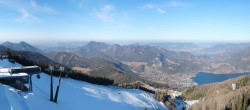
{"x": 205, "y": 78}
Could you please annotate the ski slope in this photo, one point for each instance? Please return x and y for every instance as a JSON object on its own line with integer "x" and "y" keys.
{"x": 74, "y": 95}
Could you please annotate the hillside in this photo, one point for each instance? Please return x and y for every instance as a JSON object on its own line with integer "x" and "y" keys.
{"x": 235, "y": 62}
{"x": 240, "y": 59}
{"x": 93, "y": 49}
{"x": 220, "y": 96}
{"x": 97, "y": 67}
{"x": 91, "y": 67}
{"x": 34, "y": 57}
{"x": 226, "y": 48}
{"x": 3, "y": 47}
{"x": 154, "y": 64}
{"x": 21, "y": 46}
{"x": 149, "y": 62}
{"x": 181, "y": 47}
{"x": 74, "y": 95}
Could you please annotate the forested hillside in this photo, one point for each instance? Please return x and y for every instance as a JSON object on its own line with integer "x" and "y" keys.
{"x": 220, "y": 96}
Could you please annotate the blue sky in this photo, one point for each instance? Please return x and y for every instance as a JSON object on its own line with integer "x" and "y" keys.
{"x": 164, "y": 20}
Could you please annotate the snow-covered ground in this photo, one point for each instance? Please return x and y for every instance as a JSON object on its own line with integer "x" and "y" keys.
{"x": 191, "y": 102}
{"x": 4, "y": 72}
{"x": 74, "y": 95}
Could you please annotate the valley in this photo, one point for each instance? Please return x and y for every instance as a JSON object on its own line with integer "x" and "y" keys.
{"x": 124, "y": 55}
{"x": 149, "y": 68}
{"x": 153, "y": 65}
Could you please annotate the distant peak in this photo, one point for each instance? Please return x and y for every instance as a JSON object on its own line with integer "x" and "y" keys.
{"x": 22, "y": 42}
{"x": 95, "y": 42}
{"x": 116, "y": 45}
{"x": 7, "y": 42}
{"x": 92, "y": 42}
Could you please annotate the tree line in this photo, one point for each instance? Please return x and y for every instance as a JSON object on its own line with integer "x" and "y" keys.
{"x": 69, "y": 73}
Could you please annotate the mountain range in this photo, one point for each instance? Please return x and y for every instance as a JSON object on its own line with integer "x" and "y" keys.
{"x": 148, "y": 62}
{"x": 21, "y": 46}
{"x": 154, "y": 66}
{"x": 129, "y": 63}
{"x": 96, "y": 67}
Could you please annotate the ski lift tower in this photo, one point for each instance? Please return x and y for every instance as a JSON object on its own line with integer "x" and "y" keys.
{"x": 51, "y": 68}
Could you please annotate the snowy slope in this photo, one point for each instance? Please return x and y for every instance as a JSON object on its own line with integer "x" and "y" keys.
{"x": 75, "y": 95}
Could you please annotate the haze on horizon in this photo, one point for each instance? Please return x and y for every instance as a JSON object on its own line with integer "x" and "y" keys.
{"x": 161, "y": 20}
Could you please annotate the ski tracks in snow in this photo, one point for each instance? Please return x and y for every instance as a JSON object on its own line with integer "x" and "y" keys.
{"x": 12, "y": 98}
{"x": 4, "y": 102}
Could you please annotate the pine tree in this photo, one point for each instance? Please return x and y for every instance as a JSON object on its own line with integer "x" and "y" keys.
{"x": 239, "y": 104}
{"x": 8, "y": 53}
{"x": 233, "y": 106}
{"x": 245, "y": 101}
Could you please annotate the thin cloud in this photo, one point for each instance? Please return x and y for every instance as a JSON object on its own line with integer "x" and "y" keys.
{"x": 153, "y": 7}
{"x": 160, "y": 10}
{"x": 44, "y": 8}
{"x": 178, "y": 4}
{"x": 82, "y": 3}
{"x": 27, "y": 9}
{"x": 108, "y": 14}
{"x": 149, "y": 6}
{"x": 105, "y": 13}
{"x": 26, "y": 16}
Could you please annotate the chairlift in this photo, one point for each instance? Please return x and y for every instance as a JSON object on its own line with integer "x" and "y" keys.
{"x": 51, "y": 68}
{"x": 61, "y": 69}
{"x": 38, "y": 76}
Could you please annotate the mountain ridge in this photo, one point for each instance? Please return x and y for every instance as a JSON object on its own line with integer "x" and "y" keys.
{"x": 21, "y": 46}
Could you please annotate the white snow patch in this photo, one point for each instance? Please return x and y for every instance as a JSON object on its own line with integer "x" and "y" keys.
{"x": 74, "y": 95}
{"x": 191, "y": 102}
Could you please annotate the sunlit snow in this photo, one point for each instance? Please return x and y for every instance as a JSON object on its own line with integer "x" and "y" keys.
{"x": 74, "y": 95}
